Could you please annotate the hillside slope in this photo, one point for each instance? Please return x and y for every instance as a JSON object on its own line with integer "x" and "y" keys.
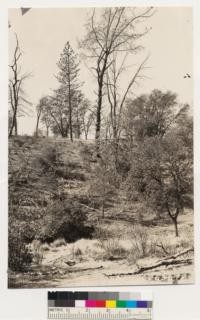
{"x": 51, "y": 194}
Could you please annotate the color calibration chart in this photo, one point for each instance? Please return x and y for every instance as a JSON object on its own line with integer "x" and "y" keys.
{"x": 106, "y": 305}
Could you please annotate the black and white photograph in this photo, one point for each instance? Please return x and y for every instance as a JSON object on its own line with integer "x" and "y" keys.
{"x": 100, "y": 160}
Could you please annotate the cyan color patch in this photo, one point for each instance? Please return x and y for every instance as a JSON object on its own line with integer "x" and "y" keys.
{"x": 131, "y": 304}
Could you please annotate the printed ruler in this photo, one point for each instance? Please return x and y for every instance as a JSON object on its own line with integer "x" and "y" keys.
{"x": 99, "y": 305}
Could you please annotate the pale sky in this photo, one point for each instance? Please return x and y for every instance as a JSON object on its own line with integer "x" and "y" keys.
{"x": 43, "y": 33}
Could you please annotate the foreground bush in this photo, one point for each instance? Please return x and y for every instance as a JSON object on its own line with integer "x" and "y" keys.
{"x": 65, "y": 219}
{"x": 140, "y": 244}
{"x": 19, "y": 254}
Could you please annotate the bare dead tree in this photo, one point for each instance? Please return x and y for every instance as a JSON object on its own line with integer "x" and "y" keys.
{"x": 17, "y": 98}
{"x": 114, "y": 31}
{"x": 117, "y": 101}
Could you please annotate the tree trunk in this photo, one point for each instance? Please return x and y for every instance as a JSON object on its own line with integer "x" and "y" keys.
{"x": 11, "y": 130}
{"x": 101, "y": 74}
{"x": 70, "y": 124}
{"x": 114, "y": 120}
{"x": 115, "y": 132}
{"x": 70, "y": 128}
{"x": 14, "y": 121}
{"x": 98, "y": 121}
{"x": 37, "y": 125}
{"x": 174, "y": 218}
{"x": 70, "y": 113}
{"x": 98, "y": 115}
{"x": 176, "y": 227}
{"x": 116, "y": 153}
{"x": 99, "y": 104}
{"x": 16, "y": 127}
{"x": 66, "y": 132}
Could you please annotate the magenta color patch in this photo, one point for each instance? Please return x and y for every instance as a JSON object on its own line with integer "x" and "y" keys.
{"x": 90, "y": 303}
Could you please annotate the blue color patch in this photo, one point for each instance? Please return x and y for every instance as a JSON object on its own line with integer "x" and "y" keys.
{"x": 142, "y": 304}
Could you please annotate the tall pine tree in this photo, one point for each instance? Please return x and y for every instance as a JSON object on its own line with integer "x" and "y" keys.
{"x": 68, "y": 77}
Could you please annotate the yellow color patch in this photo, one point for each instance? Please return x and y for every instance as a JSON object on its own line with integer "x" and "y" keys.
{"x": 110, "y": 304}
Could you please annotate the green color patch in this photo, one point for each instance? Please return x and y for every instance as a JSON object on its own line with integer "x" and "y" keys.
{"x": 121, "y": 304}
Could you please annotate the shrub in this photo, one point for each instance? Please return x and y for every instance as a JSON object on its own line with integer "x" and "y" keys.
{"x": 140, "y": 241}
{"x": 112, "y": 248}
{"x": 65, "y": 219}
{"x": 76, "y": 252}
{"x": 49, "y": 159}
{"x": 19, "y": 255}
{"x": 162, "y": 248}
{"x": 100, "y": 233}
{"x": 133, "y": 255}
{"x": 20, "y": 141}
{"x": 38, "y": 251}
{"x": 87, "y": 152}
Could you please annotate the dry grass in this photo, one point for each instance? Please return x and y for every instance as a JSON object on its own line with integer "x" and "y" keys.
{"x": 113, "y": 249}
{"x": 137, "y": 243}
{"x": 76, "y": 252}
{"x": 140, "y": 240}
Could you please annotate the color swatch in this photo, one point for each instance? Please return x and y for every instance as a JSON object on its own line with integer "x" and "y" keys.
{"x": 97, "y": 300}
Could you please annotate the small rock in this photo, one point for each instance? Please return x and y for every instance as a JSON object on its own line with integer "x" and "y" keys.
{"x": 70, "y": 263}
